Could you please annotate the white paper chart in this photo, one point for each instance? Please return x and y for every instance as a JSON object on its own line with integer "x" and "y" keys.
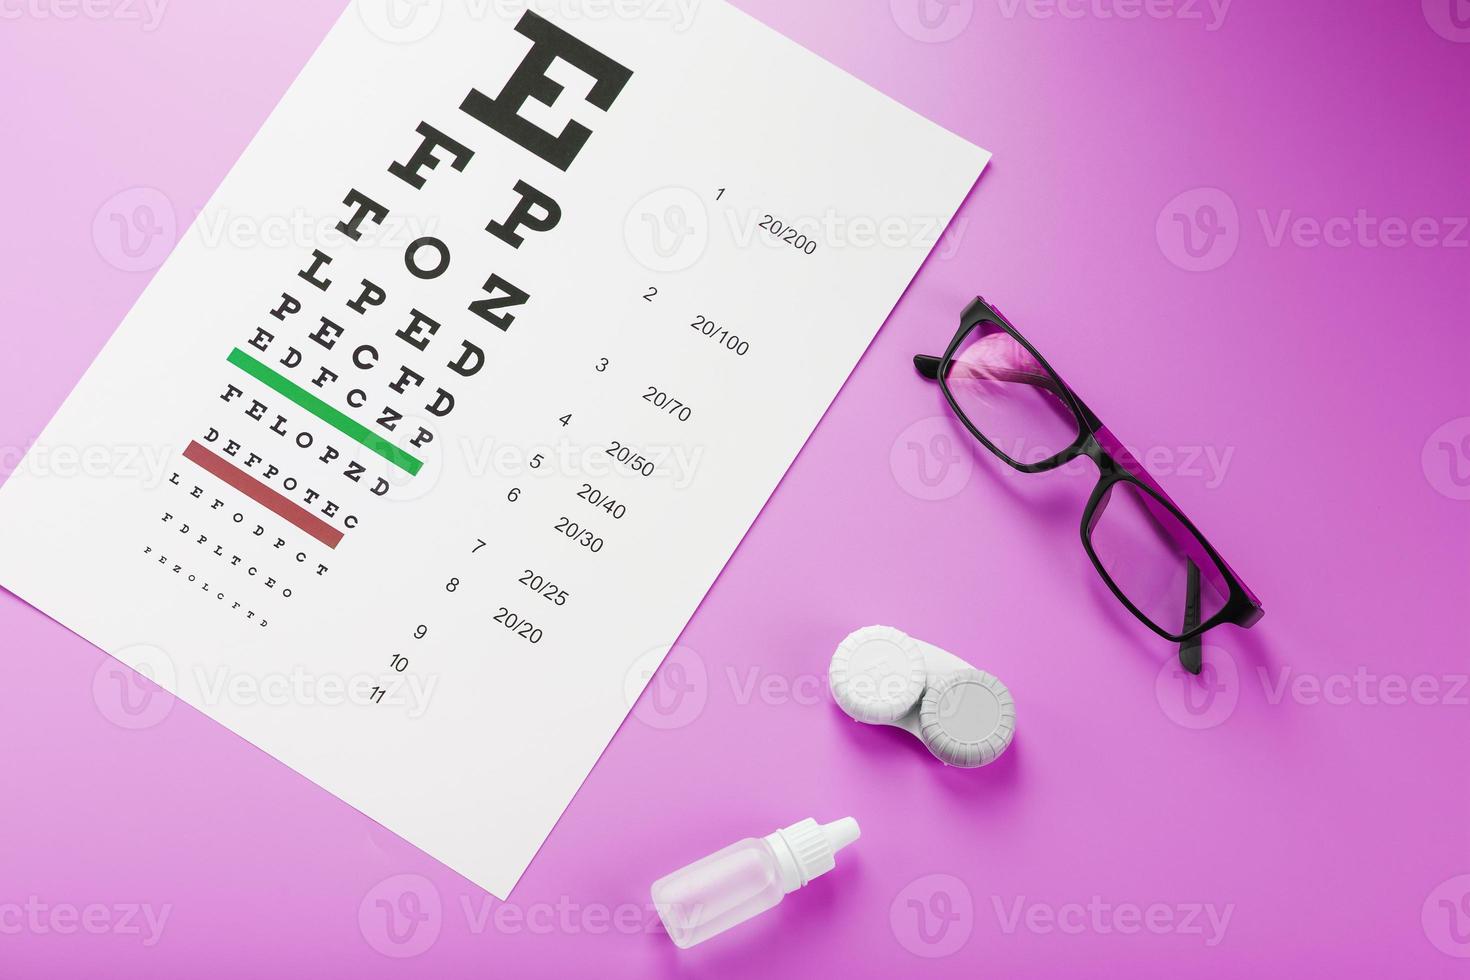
{"x": 448, "y": 462}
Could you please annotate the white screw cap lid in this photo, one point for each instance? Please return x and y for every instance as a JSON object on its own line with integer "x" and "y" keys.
{"x": 877, "y": 674}
{"x": 808, "y": 849}
{"x": 968, "y": 718}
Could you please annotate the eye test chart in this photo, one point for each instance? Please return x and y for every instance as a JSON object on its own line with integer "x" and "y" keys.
{"x": 457, "y": 463}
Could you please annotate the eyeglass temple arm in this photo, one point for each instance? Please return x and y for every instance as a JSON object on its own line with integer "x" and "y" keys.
{"x": 1191, "y": 651}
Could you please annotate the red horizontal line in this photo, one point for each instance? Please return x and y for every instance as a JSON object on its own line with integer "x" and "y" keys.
{"x": 260, "y": 493}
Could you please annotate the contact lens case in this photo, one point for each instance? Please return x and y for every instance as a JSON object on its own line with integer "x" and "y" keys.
{"x": 882, "y": 676}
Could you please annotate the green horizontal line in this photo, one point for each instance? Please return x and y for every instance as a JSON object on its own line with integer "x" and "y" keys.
{"x": 347, "y": 426}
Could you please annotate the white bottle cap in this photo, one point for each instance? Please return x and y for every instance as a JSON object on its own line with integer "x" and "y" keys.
{"x": 877, "y": 674}
{"x": 807, "y": 849}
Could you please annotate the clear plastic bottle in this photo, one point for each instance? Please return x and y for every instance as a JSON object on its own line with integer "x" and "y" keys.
{"x": 747, "y": 878}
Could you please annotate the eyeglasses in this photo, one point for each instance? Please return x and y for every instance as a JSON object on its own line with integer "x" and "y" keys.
{"x": 1154, "y": 559}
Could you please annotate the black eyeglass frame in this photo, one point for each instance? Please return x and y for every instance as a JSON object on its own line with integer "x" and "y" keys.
{"x": 1241, "y": 607}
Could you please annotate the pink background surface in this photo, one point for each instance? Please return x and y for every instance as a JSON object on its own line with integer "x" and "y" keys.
{"x": 1292, "y": 398}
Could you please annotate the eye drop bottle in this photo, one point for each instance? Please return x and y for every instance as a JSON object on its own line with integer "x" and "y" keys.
{"x": 747, "y": 878}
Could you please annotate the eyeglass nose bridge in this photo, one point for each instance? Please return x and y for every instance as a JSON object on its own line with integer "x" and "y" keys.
{"x": 1107, "y": 467}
